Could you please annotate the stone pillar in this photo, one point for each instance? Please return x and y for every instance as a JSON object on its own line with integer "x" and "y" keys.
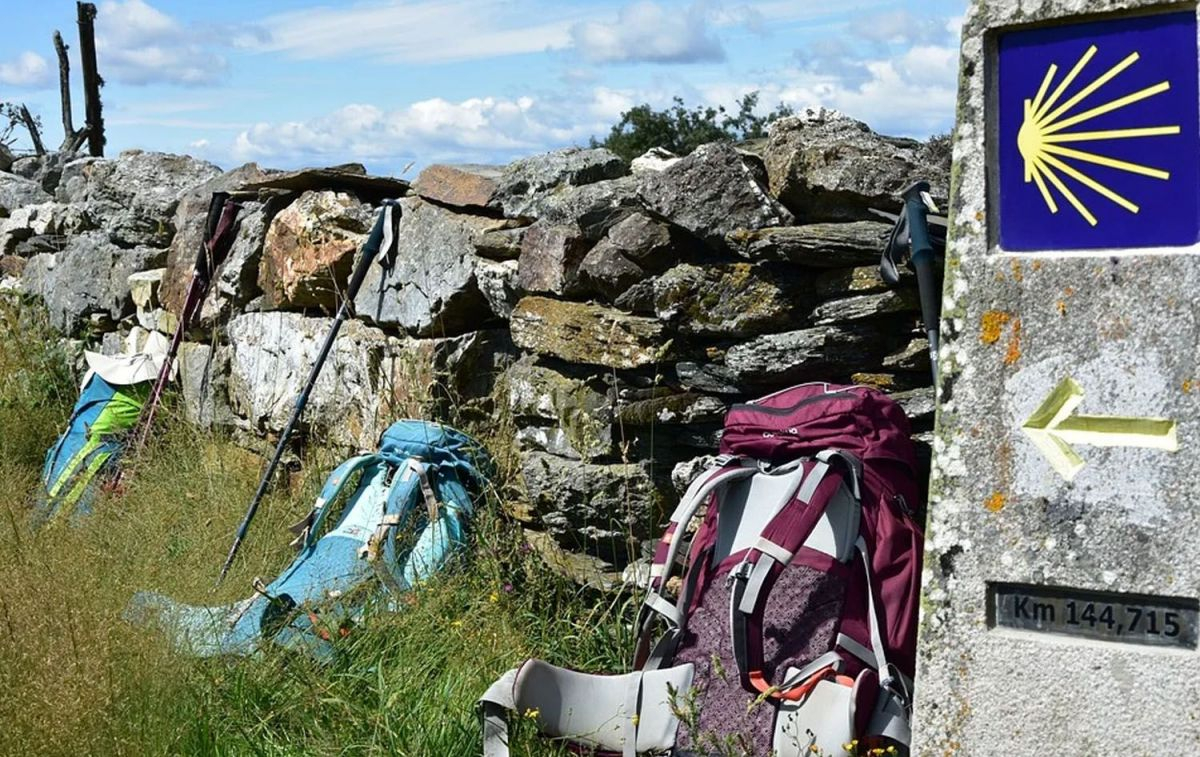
{"x": 1063, "y": 561}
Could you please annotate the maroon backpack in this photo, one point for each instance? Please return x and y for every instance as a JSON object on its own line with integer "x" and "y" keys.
{"x": 793, "y": 627}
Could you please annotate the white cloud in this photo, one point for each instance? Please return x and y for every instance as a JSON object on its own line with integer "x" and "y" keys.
{"x": 647, "y": 32}
{"x": 27, "y": 70}
{"x": 895, "y": 70}
{"x": 420, "y": 31}
{"x": 138, "y": 44}
{"x": 478, "y": 129}
{"x": 902, "y": 27}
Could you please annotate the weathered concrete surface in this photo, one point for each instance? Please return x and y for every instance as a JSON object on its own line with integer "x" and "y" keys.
{"x": 1124, "y": 324}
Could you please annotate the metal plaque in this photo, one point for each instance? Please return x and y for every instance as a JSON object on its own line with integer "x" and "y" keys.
{"x": 1106, "y": 616}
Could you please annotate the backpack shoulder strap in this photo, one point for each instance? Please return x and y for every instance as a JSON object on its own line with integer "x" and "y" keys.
{"x": 310, "y": 524}
{"x": 441, "y": 529}
{"x": 725, "y": 470}
{"x": 782, "y": 538}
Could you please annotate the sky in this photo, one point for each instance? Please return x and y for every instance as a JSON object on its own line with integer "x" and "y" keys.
{"x": 400, "y": 84}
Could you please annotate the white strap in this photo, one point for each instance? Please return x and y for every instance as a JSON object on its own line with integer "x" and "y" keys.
{"x": 856, "y": 649}
{"x": 422, "y": 472}
{"x": 827, "y": 660}
{"x": 881, "y": 663}
{"x": 695, "y": 496}
{"x": 758, "y": 574}
{"x": 673, "y": 614}
{"x": 811, "y": 482}
{"x": 768, "y": 547}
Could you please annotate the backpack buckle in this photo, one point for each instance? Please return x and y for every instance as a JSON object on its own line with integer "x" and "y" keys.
{"x": 740, "y": 573}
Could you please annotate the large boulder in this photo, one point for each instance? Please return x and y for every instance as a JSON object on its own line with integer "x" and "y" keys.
{"x": 348, "y": 177}
{"x": 822, "y": 352}
{"x": 557, "y": 413}
{"x": 74, "y": 183}
{"x": 144, "y": 288}
{"x": 819, "y": 245}
{"x": 270, "y": 355}
{"x": 594, "y": 208}
{"x": 88, "y": 282}
{"x": 46, "y": 169}
{"x": 134, "y": 197}
{"x": 48, "y": 219}
{"x": 500, "y": 243}
{"x": 729, "y": 299}
{"x": 240, "y": 266}
{"x": 471, "y": 187}
{"x": 310, "y": 249}
{"x": 433, "y": 288}
{"x": 891, "y": 302}
{"x": 236, "y": 283}
{"x": 467, "y": 367}
{"x": 17, "y": 191}
{"x": 550, "y": 258}
{"x": 498, "y": 282}
{"x": 650, "y": 243}
{"x": 634, "y": 248}
{"x": 204, "y": 385}
{"x": 712, "y": 192}
{"x": 824, "y": 165}
{"x": 585, "y": 333}
{"x": 839, "y": 282}
{"x": 522, "y": 185}
{"x": 600, "y": 509}
{"x": 607, "y": 271}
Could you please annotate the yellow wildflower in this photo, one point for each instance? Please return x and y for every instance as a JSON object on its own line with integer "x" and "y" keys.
{"x": 494, "y": 597}
{"x": 532, "y": 713}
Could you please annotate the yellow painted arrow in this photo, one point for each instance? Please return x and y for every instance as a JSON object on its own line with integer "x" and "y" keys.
{"x": 1053, "y": 428}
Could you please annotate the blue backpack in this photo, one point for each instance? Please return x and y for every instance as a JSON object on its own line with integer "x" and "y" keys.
{"x": 405, "y": 520}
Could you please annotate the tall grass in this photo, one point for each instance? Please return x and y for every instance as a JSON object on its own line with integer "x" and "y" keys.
{"x": 77, "y": 678}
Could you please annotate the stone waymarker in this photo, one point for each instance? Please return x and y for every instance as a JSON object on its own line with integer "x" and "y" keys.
{"x": 1063, "y": 564}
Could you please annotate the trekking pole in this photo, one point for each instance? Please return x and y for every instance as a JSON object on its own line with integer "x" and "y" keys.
{"x": 218, "y": 238}
{"x": 383, "y": 235}
{"x": 916, "y": 206}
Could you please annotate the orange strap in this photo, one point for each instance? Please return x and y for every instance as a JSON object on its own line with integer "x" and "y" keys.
{"x": 798, "y": 691}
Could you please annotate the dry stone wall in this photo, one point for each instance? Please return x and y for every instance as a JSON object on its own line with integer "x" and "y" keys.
{"x": 611, "y": 313}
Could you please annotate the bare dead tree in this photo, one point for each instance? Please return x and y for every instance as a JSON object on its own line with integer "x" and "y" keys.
{"x": 72, "y": 138}
{"x": 64, "y": 84}
{"x": 35, "y": 134}
{"x": 86, "y": 15}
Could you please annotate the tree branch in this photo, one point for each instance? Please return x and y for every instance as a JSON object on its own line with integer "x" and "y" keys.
{"x": 34, "y": 134}
{"x": 64, "y": 87}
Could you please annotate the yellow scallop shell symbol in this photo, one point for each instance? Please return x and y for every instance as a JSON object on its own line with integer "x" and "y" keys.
{"x": 1043, "y": 133}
